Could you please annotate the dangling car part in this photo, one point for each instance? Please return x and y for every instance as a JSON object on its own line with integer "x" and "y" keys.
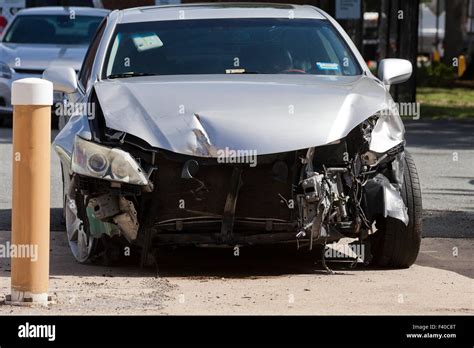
{"x": 277, "y": 132}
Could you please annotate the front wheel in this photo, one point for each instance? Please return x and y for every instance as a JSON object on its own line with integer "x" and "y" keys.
{"x": 394, "y": 244}
{"x": 83, "y": 246}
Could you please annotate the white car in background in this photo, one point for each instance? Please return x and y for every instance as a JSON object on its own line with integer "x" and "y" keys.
{"x": 40, "y": 37}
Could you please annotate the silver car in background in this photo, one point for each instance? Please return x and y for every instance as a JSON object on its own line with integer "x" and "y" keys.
{"x": 234, "y": 124}
{"x": 41, "y": 37}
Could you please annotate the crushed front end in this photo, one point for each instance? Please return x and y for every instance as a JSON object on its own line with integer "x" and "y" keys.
{"x": 150, "y": 197}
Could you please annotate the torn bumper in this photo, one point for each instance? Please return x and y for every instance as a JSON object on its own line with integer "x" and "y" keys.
{"x": 382, "y": 198}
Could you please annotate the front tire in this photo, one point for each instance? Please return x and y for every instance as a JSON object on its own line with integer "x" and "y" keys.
{"x": 394, "y": 244}
{"x": 84, "y": 247}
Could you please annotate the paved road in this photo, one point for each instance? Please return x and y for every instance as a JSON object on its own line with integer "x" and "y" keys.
{"x": 6, "y": 170}
{"x": 444, "y": 155}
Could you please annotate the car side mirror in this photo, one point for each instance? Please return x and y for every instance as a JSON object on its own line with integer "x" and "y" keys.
{"x": 393, "y": 70}
{"x": 64, "y": 79}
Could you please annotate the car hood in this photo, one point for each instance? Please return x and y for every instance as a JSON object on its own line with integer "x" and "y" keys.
{"x": 39, "y": 57}
{"x": 201, "y": 115}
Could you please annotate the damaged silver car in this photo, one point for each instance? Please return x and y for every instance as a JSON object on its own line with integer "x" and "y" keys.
{"x": 232, "y": 125}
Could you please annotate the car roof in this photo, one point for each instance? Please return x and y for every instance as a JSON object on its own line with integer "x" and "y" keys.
{"x": 218, "y": 10}
{"x": 57, "y": 10}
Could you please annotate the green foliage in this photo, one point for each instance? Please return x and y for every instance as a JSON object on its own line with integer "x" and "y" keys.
{"x": 436, "y": 75}
{"x": 446, "y": 103}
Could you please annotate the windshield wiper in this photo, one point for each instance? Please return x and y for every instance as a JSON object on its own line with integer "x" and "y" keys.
{"x": 128, "y": 74}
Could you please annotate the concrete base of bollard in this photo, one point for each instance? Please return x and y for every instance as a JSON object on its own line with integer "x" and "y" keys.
{"x": 25, "y": 298}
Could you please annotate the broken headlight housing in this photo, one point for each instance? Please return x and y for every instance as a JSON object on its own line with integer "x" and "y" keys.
{"x": 388, "y": 132}
{"x": 384, "y": 133}
{"x": 106, "y": 163}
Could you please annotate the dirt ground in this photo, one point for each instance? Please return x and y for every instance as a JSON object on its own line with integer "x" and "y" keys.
{"x": 259, "y": 281}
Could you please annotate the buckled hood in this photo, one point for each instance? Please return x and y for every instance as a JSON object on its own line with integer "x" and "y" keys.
{"x": 198, "y": 115}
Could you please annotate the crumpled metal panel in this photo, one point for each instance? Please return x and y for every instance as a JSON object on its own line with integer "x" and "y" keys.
{"x": 201, "y": 114}
{"x": 388, "y": 132}
{"x": 64, "y": 141}
{"x": 393, "y": 202}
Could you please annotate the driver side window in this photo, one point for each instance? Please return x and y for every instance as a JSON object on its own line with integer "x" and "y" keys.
{"x": 86, "y": 69}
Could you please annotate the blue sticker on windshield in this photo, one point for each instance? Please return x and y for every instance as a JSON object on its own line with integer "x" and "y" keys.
{"x": 327, "y": 66}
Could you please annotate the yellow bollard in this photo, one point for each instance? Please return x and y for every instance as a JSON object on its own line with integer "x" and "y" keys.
{"x": 461, "y": 65}
{"x": 32, "y": 99}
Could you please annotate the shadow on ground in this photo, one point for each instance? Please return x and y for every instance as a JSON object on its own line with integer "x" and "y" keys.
{"x": 447, "y": 224}
{"x": 443, "y": 134}
{"x": 456, "y": 255}
{"x": 56, "y": 220}
{"x": 268, "y": 261}
{"x": 192, "y": 262}
{"x": 252, "y": 262}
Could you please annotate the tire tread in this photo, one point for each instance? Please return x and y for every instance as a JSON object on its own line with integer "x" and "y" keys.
{"x": 398, "y": 245}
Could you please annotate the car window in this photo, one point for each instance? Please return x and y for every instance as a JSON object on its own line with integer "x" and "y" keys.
{"x": 88, "y": 62}
{"x": 220, "y": 46}
{"x": 52, "y": 29}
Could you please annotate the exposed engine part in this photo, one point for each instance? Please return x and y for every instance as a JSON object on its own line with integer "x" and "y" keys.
{"x": 104, "y": 206}
{"x": 333, "y": 197}
{"x": 324, "y": 201}
{"x": 190, "y": 168}
{"x": 188, "y": 172}
{"x": 313, "y": 187}
{"x": 311, "y": 202}
{"x": 369, "y": 158}
{"x": 367, "y": 127}
{"x": 300, "y": 234}
{"x": 127, "y": 221}
{"x": 117, "y": 209}
{"x": 373, "y": 159}
{"x": 315, "y": 201}
{"x": 317, "y": 228}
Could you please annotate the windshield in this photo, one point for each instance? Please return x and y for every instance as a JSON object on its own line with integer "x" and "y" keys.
{"x": 229, "y": 46}
{"x": 53, "y": 29}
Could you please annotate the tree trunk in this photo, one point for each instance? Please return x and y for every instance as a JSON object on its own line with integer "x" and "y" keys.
{"x": 454, "y": 30}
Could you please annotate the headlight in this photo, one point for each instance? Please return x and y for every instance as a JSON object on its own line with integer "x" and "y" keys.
{"x": 98, "y": 163}
{"x": 5, "y": 71}
{"x": 106, "y": 163}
